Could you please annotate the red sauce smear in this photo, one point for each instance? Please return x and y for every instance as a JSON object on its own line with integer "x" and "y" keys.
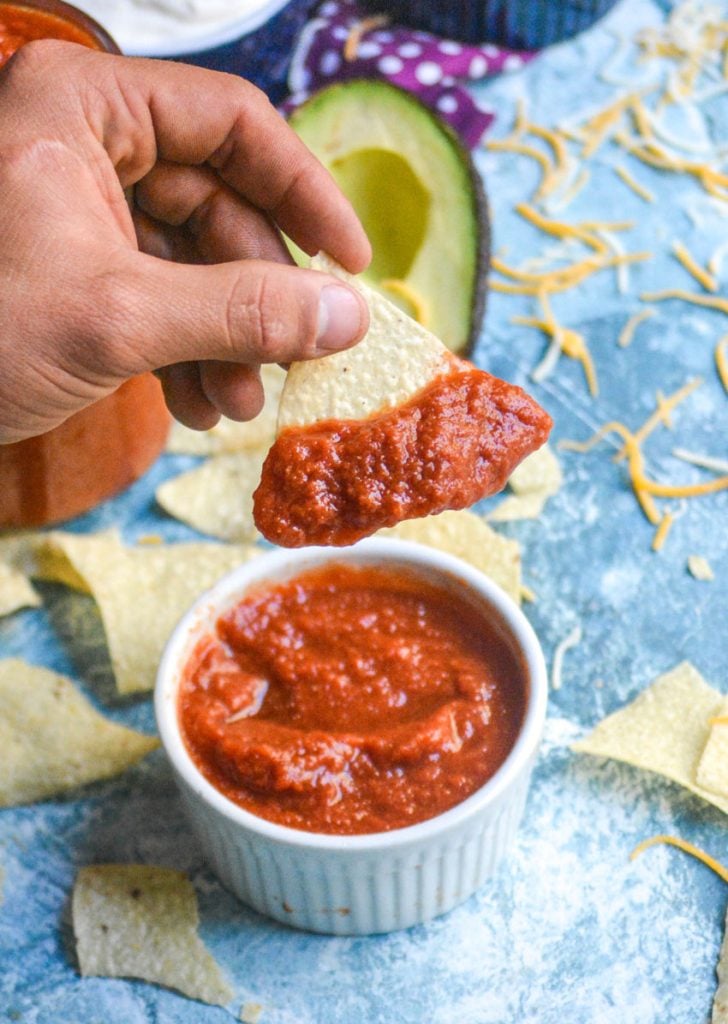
{"x": 20, "y": 25}
{"x": 455, "y": 442}
{"x": 351, "y": 700}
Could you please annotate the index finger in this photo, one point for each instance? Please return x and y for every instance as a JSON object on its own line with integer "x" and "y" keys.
{"x": 189, "y": 115}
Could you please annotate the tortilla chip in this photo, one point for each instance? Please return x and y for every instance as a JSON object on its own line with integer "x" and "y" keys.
{"x": 720, "y": 1000}
{"x": 15, "y": 590}
{"x": 518, "y": 506}
{"x": 712, "y": 770}
{"x": 141, "y": 592}
{"x": 251, "y": 1013}
{"x": 665, "y": 730}
{"x": 217, "y": 497}
{"x": 52, "y": 739}
{"x": 699, "y": 567}
{"x": 533, "y": 482}
{"x": 396, "y": 358}
{"x": 229, "y": 436}
{"x": 139, "y": 921}
{"x": 467, "y": 536}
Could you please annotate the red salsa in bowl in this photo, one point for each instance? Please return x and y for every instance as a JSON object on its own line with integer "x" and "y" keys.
{"x": 351, "y": 700}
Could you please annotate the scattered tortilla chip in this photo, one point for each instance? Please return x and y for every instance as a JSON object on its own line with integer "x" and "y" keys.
{"x": 139, "y": 921}
{"x": 533, "y": 482}
{"x": 52, "y": 739}
{"x": 229, "y": 436}
{"x": 712, "y": 770}
{"x": 141, "y": 592}
{"x": 720, "y": 1001}
{"x": 468, "y": 537}
{"x": 699, "y": 567}
{"x": 15, "y": 590}
{"x": 665, "y": 730}
{"x": 395, "y": 360}
{"x": 251, "y": 1013}
{"x": 217, "y": 497}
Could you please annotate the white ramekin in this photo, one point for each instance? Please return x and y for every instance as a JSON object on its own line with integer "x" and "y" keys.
{"x": 356, "y": 885}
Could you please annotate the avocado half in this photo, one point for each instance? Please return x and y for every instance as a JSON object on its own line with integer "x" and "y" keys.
{"x": 418, "y": 195}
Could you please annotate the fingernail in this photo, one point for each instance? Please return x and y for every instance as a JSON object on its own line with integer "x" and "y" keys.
{"x": 339, "y": 318}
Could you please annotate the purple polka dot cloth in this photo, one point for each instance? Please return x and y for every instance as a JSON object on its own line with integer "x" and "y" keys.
{"x": 435, "y": 70}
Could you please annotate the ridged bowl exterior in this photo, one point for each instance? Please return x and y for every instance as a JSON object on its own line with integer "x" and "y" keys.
{"x": 344, "y": 892}
{"x": 358, "y": 884}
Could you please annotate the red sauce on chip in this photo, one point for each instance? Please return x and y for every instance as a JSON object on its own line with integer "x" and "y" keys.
{"x": 20, "y": 25}
{"x": 455, "y": 442}
{"x": 351, "y": 700}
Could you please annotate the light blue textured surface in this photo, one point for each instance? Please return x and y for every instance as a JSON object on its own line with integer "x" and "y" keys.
{"x": 570, "y": 932}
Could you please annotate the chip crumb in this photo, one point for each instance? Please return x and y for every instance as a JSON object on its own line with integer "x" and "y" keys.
{"x": 699, "y": 568}
{"x": 251, "y": 1013}
{"x": 527, "y": 594}
{"x": 140, "y": 921}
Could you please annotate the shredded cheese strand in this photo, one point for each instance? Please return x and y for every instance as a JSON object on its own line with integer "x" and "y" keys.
{"x": 718, "y": 720}
{"x": 682, "y": 844}
{"x": 561, "y": 280}
{"x": 524, "y": 149}
{"x": 664, "y": 407}
{"x": 405, "y": 291}
{"x": 560, "y": 167}
{"x": 628, "y": 331}
{"x": 703, "y": 461}
{"x": 688, "y": 261}
{"x": 357, "y": 32}
{"x": 709, "y": 301}
{"x": 662, "y": 531}
{"x": 570, "y": 342}
{"x": 571, "y": 640}
{"x": 721, "y": 361}
{"x": 630, "y": 182}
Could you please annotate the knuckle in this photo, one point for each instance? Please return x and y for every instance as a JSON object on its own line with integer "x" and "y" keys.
{"x": 264, "y": 316}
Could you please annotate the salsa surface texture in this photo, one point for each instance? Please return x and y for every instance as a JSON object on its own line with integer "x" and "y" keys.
{"x": 20, "y": 25}
{"x": 351, "y": 700}
{"x": 455, "y": 442}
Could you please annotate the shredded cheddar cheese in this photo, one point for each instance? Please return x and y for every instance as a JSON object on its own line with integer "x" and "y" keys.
{"x": 631, "y": 182}
{"x": 570, "y": 342}
{"x": 709, "y": 301}
{"x": 662, "y": 531}
{"x": 628, "y": 331}
{"x": 721, "y": 361}
{"x": 357, "y": 32}
{"x": 514, "y": 146}
{"x": 571, "y": 640}
{"x": 685, "y": 257}
{"x": 687, "y": 847}
{"x": 420, "y": 309}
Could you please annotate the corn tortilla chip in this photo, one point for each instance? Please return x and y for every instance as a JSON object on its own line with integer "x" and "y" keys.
{"x": 140, "y": 921}
{"x": 15, "y": 590}
{"x": 228, "y": 435}
{"x": 396, "y": 358}
{"x": 665, "y": 730}
{"x": 52, "y": 739}
{"x": 518, "y": 506}
{"x": 712, "y": 770}
{"x": 720, "y": 1001}
{"x": 217, "y": 497}
{"x": 141, "y": 592}
{"x": 467, "y": 536}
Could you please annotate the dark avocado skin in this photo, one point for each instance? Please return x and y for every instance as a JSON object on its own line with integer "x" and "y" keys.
{"x": 480, "y": 205}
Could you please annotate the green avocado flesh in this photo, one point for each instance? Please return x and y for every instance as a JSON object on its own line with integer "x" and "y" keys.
{"x": 417, "y": 195}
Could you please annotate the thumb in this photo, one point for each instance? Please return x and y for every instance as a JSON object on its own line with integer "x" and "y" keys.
{"x": 246, "y": 311}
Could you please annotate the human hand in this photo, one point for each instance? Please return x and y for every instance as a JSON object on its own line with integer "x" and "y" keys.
{"x": 194, "y": 282}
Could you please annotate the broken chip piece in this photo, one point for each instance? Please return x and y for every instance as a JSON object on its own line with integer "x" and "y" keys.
{"x": 52, "y": 739}
{"x": 467, "y": 536}
{"x": 141, "y": 592}
{"x": 712, "y": 771}
{"x": 533, "y": 482}
{"x": 140, "y": 921}
{"x": 665, "y": 730}
{"x": 395, "y": 428}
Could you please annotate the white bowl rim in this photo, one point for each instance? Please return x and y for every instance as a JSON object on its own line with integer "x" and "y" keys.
{"x": 201, "y": 37}
{"x": 281, "y": 564}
